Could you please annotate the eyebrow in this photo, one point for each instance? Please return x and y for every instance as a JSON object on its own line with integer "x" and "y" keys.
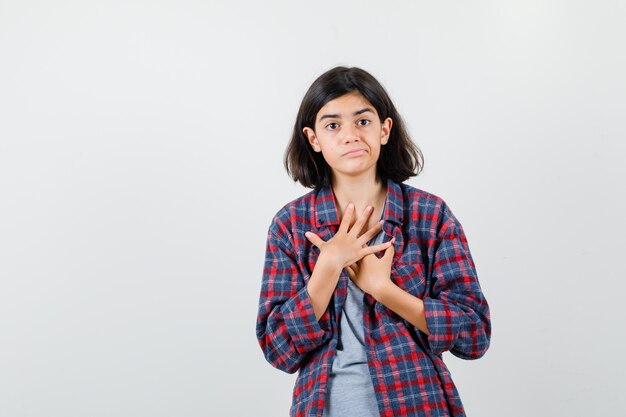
{"x": 336, "y": 116}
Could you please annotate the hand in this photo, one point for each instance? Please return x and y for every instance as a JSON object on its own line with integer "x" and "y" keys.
{"x": 346, "y": 247}
{"x": 371, "y": 274}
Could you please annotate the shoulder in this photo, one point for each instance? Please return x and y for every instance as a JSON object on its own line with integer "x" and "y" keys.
{"x": 428, "y": 202}
{"x": 426, "y": 207}
{"x": 293, "y": 215}
{"x": 420, "y": 195}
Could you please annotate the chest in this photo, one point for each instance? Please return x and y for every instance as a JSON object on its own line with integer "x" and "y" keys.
{"x": 409, "y": 269}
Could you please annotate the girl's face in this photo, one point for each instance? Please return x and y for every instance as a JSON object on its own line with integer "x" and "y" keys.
{"x": 349, "y": 134}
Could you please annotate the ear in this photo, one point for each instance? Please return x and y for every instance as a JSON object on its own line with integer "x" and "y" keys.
{"x": 385, "y": 130}
{"x": 310, "y": 134}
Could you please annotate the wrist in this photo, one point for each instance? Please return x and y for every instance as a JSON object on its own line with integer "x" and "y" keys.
{"x": 328, "y": 265}
{"x": 384, "y": 291}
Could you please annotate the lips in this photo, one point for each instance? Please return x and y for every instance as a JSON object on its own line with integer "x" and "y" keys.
{"x": 354, "y": 151}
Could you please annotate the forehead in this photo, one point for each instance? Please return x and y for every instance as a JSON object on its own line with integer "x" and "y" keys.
{"x": 345, "y": 106}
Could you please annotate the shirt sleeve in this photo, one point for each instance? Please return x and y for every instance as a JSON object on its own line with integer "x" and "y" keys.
{"x": 457, "y": 313}
{"x": 286, "y": 327}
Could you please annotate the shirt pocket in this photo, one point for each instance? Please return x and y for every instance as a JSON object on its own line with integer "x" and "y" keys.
{"x": 410, "y": 276}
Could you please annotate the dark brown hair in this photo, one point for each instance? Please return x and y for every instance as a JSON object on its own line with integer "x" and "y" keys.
{"x": 399, "y": 159}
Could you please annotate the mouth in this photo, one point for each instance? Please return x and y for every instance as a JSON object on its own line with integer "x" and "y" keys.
{"x": 354, "y": 152}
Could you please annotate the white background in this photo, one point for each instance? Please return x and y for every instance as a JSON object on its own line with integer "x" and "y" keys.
{"x": 141, "y": 147}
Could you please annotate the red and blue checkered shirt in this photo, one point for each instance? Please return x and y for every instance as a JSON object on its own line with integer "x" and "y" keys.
{"x": 432, "y": 261}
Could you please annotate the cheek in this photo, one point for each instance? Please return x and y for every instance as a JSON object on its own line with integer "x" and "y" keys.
{"x": 327, "y": 149}
{"x": 327, "y": 154}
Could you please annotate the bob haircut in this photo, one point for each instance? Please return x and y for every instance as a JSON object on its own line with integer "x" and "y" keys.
{"x": 399, "y": 159}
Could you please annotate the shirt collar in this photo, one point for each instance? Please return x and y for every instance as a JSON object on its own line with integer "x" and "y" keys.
{"x": 326, "y": 208}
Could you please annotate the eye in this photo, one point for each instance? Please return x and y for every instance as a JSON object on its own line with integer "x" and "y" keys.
{"x": 332, "y": 126}
{"x": 363, "y": 122}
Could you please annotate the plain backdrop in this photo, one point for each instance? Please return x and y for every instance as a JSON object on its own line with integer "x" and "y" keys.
{"x": 141, "y": 147}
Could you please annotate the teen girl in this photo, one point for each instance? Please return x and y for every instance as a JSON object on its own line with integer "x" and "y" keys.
{"x": 366, "y": 332}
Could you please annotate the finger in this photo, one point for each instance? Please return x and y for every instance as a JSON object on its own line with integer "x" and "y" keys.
{"x": 358, "y": 226}
{"x": 347, "y": 219}
{"x": 351, "y": 272}
{"x": 373, "y": 231}
{"x": 389, "y": 252}
{"x": 376, "y": 248}
{"x": 314, "y": 239}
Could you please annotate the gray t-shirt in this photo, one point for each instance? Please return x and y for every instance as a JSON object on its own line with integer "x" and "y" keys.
{"x": 350, "y": 391}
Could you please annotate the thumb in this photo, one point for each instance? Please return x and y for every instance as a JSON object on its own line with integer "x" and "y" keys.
{"x": 389, "y": 252}
{"x": 314, "y": 239}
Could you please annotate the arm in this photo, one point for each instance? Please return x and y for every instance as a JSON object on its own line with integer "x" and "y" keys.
{"x": 404, "y": 304}
{"x": 456, "y": 311}
{"x": 287, "y": 327}
{"x": 322, "y": 284}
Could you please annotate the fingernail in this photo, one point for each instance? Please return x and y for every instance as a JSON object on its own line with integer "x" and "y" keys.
{"x": 350, "y": 206}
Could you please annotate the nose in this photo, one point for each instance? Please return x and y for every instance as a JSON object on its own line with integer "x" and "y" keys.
{"x": 349, "y": 133}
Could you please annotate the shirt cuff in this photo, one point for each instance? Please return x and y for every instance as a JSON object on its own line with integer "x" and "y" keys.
{"x": 442, "y": 323}
{"x": 305, "y": 331}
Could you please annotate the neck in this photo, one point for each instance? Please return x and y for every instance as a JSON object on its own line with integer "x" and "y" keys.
{"x": 362, "y": 191}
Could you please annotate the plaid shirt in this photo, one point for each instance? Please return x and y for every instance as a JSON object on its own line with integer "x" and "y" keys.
{"x": 432, "y": 261}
